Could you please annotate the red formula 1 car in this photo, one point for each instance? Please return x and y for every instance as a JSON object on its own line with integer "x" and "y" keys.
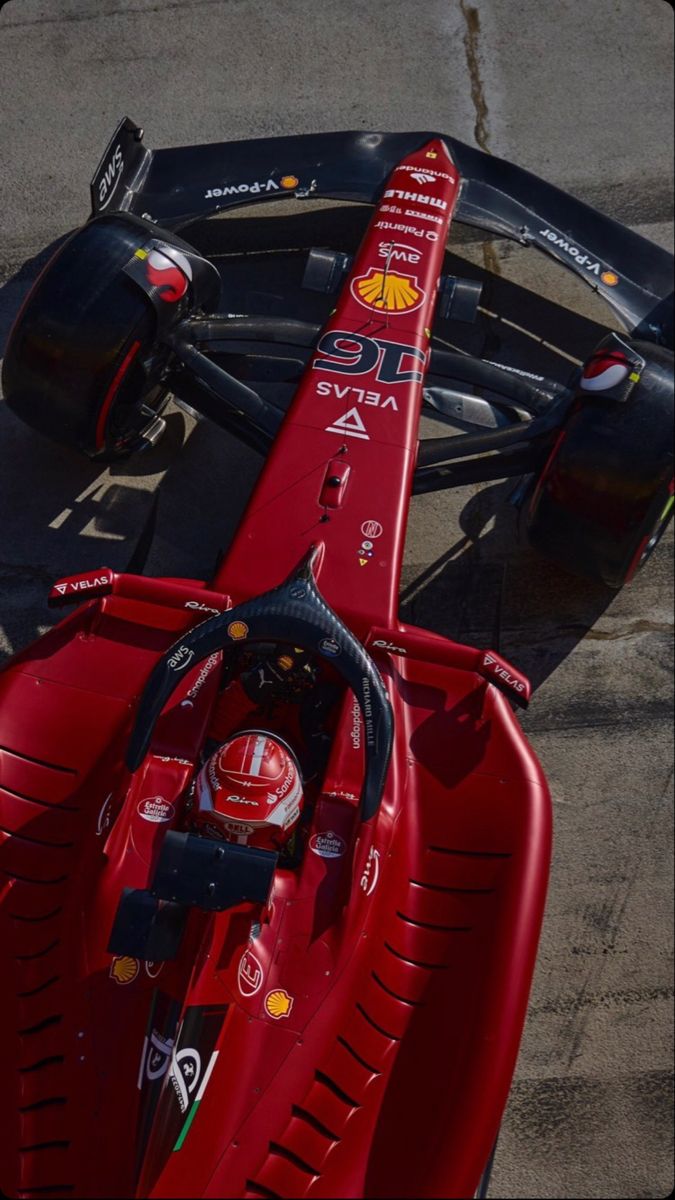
{"x": 273, "y": 862}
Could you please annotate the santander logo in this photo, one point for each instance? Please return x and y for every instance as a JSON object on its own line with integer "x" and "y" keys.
{"x": 605, "y": 369}
{"x": 170, "y": 272}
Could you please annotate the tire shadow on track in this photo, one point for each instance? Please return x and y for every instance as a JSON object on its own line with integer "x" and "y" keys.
{"x": 490, "y": 590}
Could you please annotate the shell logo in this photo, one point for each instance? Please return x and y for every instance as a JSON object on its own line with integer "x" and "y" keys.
{"x": 123, "y": 969}
{"x": 289, "y": 182}
{"x": 278, "y": 1004}
{"x": 387, "y": 291}
{"x": 610, "y": 278}
{"x": 237, "y": 630}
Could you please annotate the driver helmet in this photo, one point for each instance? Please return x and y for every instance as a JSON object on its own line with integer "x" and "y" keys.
{"x": 249, "y": 791}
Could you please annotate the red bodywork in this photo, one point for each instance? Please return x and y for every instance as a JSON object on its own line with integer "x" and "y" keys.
{"x": 357, "y": 1037}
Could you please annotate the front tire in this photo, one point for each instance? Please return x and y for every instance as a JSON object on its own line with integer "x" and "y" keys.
{"x": 84, "y": 364}
{"x": 605, "y": 496}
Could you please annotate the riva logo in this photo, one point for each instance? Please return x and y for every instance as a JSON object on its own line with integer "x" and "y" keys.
{"x": 383, "y": 645}
{"x": 199, "y": 607}
{"x": 112, "y": 173}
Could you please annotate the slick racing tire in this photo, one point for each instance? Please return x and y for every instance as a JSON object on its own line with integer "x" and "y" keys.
{"x": 84, "y": 365}
{"x": 605, "y": 495}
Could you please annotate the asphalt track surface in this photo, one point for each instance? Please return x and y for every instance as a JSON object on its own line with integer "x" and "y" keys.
{"x": 583, "y": 95}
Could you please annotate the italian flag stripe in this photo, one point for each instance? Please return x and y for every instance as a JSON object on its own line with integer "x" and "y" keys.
{"x": 193, "y": 1111}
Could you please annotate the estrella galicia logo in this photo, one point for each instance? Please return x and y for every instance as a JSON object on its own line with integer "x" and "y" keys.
{"x": 330, "y": 647}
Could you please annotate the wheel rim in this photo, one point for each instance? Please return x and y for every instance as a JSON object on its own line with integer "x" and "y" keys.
{"x": 659, "y": 528}
{"x": 651, "y": 540}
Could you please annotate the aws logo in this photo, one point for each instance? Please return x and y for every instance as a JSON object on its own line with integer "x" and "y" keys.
{"x": 110, "y": 177}
{"x": 387, "y": 291}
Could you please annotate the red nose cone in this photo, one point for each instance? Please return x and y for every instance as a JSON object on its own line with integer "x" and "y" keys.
{"x": 250, "y": 791}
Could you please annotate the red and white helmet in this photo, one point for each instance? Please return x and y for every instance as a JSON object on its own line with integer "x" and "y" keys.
{"x": 250, "y": 791}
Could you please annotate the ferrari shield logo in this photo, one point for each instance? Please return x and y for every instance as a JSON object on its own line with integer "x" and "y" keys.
{"x": 387, "y": 291}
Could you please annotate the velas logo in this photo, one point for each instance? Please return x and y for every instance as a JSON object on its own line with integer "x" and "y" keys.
{"x": 349, "y": 424}
{"x": 605, "y": 369}
{"x": 170, "y": 271}
{"x": 83, "y": 583}
{"x": 493, "y": 664}
{"x": 386, "y": 291}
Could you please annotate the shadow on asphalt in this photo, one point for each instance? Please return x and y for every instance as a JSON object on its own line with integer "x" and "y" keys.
{"x": 61, "y": 513}
{"x": 490, "y": 590}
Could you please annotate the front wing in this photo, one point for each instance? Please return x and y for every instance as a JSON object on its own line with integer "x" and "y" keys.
{"x": 174, "y": 186}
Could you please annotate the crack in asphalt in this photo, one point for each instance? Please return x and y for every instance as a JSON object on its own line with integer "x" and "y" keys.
{"x": 481, "y": 129}
{"x": 471, "y": 47}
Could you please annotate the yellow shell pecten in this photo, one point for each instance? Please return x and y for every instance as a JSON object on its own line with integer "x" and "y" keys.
{"x": 388, "y": 292}
{"x": 278, "y": 1004}
{"x": 124, "y": 969}
{"x": 237, "y": 630}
